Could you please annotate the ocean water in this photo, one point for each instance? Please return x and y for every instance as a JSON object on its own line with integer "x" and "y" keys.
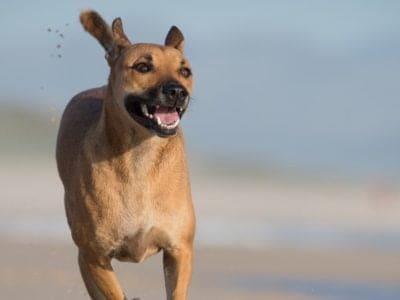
{"x": 303, "y": 85}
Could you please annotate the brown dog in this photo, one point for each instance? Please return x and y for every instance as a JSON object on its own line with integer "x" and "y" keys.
{"x": 120, "y": 155}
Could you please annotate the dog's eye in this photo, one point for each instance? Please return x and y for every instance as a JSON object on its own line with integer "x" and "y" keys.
{"x": 143, "y": 67}
{"x": 185, "y": 72}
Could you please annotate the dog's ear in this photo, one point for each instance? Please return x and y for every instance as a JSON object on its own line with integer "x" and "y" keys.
{"x": 119, "y": 34}
{"x": 98, "y": 28}
{"x": 112, "y": 39}
{"x": 175, "y": 38}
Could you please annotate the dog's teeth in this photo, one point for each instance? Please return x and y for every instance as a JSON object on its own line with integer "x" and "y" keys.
{"x": 171, "y": 126}
{"x": 175, "y": 123}
{"x": 144, "y": 110}
{"x": 166, "y": 126}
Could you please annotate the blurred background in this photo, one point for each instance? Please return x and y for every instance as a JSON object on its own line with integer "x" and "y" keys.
{"x": 292, "y": 137}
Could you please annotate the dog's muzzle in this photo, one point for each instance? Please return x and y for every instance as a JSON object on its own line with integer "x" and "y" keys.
{"x": 175, "y": 94}
{"x": 162, "y": 113}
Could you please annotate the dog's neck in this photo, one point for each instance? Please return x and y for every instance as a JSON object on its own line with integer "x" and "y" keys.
{"x": 118, "y": 140}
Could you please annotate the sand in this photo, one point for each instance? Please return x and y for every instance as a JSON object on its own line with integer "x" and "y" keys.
{"x": 237, "y": 256}
{"x": 48, "y": 270}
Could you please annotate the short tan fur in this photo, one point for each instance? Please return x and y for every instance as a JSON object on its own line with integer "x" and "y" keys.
{"x": 122, "y": 162}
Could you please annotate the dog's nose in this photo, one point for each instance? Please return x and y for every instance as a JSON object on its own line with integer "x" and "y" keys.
{"x": 175, "y": 92}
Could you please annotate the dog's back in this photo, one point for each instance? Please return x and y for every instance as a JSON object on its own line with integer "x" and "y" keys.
{"x": 81, "y": 113}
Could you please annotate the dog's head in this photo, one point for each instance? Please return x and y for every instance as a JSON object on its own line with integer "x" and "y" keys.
{"x": 151, "y": 83}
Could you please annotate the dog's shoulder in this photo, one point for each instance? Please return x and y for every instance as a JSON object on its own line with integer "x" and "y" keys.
{"x": 98, "y": 93}
{"x": 91, "y": 100}
{"x": 84, "y": 107}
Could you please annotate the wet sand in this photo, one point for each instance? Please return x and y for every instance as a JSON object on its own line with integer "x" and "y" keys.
{"x": 48, "y": 270}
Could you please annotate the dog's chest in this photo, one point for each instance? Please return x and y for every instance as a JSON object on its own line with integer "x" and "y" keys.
{"x": 137, "y": 245}
{"x": 138, "y": 231}
{"x": 136, "y": 215}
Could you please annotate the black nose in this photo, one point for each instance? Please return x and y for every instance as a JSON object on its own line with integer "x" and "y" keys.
{"x": 175, "y": 93}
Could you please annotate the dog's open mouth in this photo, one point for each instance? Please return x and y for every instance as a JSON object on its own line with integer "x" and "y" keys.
{"x": 162, "y": 119}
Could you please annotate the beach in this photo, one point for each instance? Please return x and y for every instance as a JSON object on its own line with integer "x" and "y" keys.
{"x": 48, "y": 270}
{"x": 291, "y": 136}
{"x": 271, "y": 237}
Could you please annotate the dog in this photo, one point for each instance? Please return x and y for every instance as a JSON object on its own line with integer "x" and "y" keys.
{"x": 121, "y": 158}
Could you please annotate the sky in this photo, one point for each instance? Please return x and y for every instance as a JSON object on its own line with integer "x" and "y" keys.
{"x": 308, "y": 85}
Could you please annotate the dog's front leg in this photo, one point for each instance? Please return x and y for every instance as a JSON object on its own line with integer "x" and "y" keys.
{"x": 99, "y": 278}
{"x": 177, "y": 272}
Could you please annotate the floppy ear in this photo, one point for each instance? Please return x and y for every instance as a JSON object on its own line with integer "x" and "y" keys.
{"x": 175, "y": 38}
{"x": 112, "y": 39}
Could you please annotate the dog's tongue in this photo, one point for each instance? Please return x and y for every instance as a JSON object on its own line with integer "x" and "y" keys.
{"x": 167, "y": 115}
